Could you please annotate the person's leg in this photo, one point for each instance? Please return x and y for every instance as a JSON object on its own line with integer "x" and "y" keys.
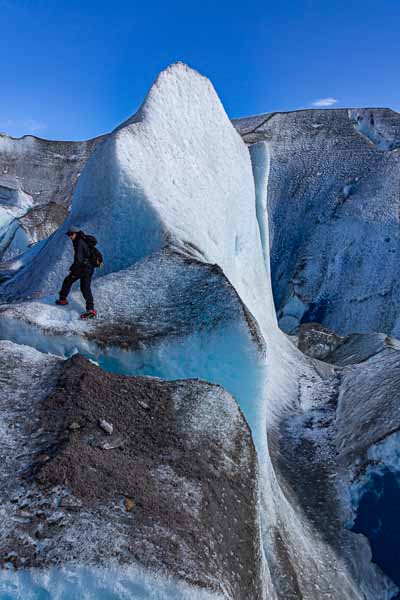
{"x": 66, "y": 286}
{"x": 86, "y": 290}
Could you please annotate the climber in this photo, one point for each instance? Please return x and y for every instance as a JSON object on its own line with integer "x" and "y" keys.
{"x": 86, "y": 258}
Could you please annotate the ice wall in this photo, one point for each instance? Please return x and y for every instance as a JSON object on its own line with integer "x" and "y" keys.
{"x": 46, "y": 170}
{"x": 177, "y": 174}
{"x": 334, "y": 216}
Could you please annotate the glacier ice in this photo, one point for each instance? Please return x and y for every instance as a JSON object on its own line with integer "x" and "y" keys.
{"x": 334, "y": 216}
{"x": 185, "y": 216}
{"x": 22, "y": 225}
{"x": 368, "y": 454}
{"x": 190, "y": 458}
{"x": 45, "y": 170}
{"x": 13, "y": 204}
{"x": 118, "y": 583}
{"x": 159, "y": 176}
{"x": 37, "y": 180}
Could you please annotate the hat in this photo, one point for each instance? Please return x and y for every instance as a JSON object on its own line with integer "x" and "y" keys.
{"x": 72, "y": 230}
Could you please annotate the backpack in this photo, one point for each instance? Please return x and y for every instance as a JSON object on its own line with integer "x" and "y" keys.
{"x": 95, "y": 256}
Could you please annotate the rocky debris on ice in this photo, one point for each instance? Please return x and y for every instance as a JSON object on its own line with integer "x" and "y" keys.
{"x": 182, "y": 309}
{"x": 41, "y": 221}
{"x": 343, "y": 351}
{"x": 317, "y": 341}
{"x": 186, "y": 476}
{"x": 369, "y": 395}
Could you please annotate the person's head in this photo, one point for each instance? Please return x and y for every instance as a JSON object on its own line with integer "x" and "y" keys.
{"x": 73, "y": 232}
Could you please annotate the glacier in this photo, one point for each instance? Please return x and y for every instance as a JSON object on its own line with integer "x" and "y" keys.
{"x": 335, "y": 172}
{"x": 258, "y": 479}
{"x": 37, "y": 181}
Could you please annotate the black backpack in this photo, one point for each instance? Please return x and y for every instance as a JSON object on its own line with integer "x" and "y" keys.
{"x": 95, "y": 256}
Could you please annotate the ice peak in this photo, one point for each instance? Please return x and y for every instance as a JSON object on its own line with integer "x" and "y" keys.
{"x": 177, "y": 86}
{"x": 176, "y": 174}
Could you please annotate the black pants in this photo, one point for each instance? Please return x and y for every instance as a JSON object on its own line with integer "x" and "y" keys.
{"x": 85, "y": 276}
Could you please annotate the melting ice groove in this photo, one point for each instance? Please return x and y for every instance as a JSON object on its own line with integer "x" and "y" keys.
{"x": 265, "y": 384}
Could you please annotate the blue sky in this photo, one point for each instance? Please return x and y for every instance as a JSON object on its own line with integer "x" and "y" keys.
{"x": 74, "y": 69}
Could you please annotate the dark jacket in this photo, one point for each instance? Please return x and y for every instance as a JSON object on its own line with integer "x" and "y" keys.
{"x": 81, "y": 255}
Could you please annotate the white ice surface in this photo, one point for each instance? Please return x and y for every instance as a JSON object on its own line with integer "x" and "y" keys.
{"x": 73, "y": 583}
{"x": 364, "y": 124}
{"x": 387, "y": 453}
{"x": 13, "y": 204}
{"x": 18, "y": 246}
{"x": 22, "y": 260}
{"x": 177, "y": 174}
{"x": 333, "y": 208}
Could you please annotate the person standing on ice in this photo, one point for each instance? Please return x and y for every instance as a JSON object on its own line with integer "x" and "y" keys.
{"x": 86, "y": 258}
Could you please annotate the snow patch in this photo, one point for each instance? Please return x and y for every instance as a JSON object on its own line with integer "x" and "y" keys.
{"x": 364, "y": 123}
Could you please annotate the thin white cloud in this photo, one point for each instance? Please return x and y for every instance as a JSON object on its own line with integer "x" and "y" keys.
{"x": 7, "y": 123}
{"x": 22, "y": 127}
{"x": 325, "y": 102}
{"x": 34, "y": 126}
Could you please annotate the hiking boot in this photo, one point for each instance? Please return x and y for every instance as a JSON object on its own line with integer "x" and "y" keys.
{"x": 62, "y": 302}
{"x": 90, "y": 314}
